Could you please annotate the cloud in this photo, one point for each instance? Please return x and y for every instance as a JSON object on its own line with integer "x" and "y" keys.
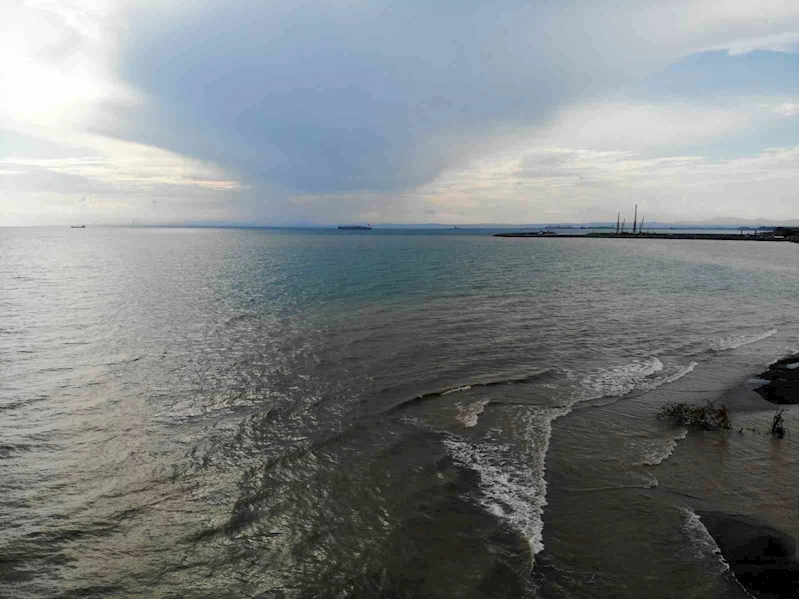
{"x": 113, "y": 179}
{"x": 57, "y": 63}
{"x": 558, "y": 184}
{"x": 785, "y": 42}
{"x": 87, "y": 201}
{"x": 125, "y": 165}
{"x": 350, "y": 96}
{"x": 624, "y": 124}
{"x": 575, "y": 185}
{"x": 787, "y": 109}
{"x": 297, "y": 111}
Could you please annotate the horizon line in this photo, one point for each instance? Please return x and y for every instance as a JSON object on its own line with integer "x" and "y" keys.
{"x": 433, "y": 225}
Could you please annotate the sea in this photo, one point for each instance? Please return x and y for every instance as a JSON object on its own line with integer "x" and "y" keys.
{"x": 288, "y": 413}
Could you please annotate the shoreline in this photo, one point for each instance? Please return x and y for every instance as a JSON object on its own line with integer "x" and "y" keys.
{"x": 762, "y": 557}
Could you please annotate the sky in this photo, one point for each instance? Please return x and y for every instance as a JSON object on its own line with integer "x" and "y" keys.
{"x": 353, "y": 111}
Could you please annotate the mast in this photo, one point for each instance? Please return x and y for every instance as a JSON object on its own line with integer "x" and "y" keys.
{"x": 641, "y": 228}
{"x": 636, "y": 218}
{"x": 618, "y": 218}
{"x": 622, "y": 225}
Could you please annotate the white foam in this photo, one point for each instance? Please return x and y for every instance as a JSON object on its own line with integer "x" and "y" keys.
{"x": 512, "y": 488}
{"x": 414, "y": 421}
{"x": 651, "y": 482}
{"x": 792, "y": 366}
{"x": 636, "y": 376}
{"x": 618, "y": 380}
{"x": 457, "y": 389}
{"x": 741, "y": 340}
{"x": 468, "y": 415}
{"x": 656, "y": 451}
{"x": 703, "y": 546}
{"x": 679, "y": 373}
{"x": 515, "y": 495}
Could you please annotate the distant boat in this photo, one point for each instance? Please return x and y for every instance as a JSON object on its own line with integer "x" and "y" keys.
{"x": 77, "y": 226}
{"x": 355, "y": 227}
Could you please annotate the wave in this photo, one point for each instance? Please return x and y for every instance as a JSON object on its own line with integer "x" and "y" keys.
{"x": 455, "y": 390}
{"x": 679, "y": 373}
{"x": 512, "y": 494}
{"x": 7, "y": 449}
{"x": 511, "y": 488}
{"x": 658, "y": 450}
{"x": 21, "y": 403}
{"x": 618, "y": 380}
{"x": 639, "y": 375}
{"x": 530, "y": 378}
{"x": 650, "y": 482}
{"x": 735, "y": 341}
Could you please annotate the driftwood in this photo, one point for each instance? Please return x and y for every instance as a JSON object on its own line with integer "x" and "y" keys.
{"x": 778, "y": 425}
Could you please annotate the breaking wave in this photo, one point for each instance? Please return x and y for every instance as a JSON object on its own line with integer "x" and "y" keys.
{"x": 702, "y": 546}
{"x": 531, "y": 378}
{"x": 639, "y": 375}
{"x": 735, "y": 341}
{"x": 511, "y": 488}
{"x": 656, "y": 451}
{"x": 456, "y": 389}
{"x": 513, "y": 494}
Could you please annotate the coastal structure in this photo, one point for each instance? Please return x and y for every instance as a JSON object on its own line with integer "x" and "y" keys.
{"x": 790, "y": 233}
{"x": 638, "y": 232}
{"x": 641, "y": 235}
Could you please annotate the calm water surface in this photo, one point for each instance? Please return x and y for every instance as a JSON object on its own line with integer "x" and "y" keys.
{"x": 256, "y": 413}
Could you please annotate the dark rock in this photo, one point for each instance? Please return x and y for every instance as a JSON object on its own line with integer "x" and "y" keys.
{"x": 783, "y": 382}
{"x": 762, "y": 558}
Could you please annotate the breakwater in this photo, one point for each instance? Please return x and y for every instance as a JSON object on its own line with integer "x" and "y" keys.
{"x": 706, "y": 236}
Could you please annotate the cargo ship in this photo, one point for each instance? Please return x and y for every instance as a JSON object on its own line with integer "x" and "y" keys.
{"x": 355, "y": 227}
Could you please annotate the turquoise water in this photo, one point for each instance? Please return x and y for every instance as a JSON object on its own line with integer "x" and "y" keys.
{"x": 287, "y": 413}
